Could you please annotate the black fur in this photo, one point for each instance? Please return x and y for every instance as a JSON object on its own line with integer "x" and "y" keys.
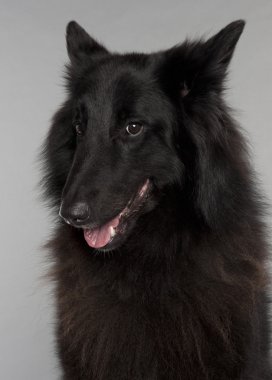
{"x": 182, "y": 294}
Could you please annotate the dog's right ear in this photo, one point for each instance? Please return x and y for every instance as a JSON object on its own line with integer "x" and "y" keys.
{"x": 80, "y": 45}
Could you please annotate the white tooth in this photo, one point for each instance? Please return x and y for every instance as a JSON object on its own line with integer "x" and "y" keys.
{"x": 112, "y": 232}
{"x": 144, "y": 188}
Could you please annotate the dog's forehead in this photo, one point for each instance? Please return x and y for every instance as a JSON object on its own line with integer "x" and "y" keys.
{"x": 123, "y": 82}
{"x": 126, "y": 74}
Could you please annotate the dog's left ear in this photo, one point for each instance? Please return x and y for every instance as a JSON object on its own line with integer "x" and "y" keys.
{"x": 219, "y": 48}
{"x": 80, "y": 45}
{"x": 214, "y": 57}
{"x": 198, "y": 67}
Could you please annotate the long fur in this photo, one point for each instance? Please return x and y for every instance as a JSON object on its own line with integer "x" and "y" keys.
{"x": 184, "y": 297}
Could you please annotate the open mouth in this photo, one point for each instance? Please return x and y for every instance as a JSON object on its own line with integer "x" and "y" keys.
{"x": 105, "y": 235}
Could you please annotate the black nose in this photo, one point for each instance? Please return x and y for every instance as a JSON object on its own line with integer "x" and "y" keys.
{"x": 77, "y": 214}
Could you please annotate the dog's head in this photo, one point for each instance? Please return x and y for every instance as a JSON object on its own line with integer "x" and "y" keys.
{"x": 133, "y": 126}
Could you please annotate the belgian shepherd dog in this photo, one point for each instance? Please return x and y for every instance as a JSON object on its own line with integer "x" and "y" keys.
{"x": 159, "y": 253}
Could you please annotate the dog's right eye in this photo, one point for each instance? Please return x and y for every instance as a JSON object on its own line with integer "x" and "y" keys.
{"x": 79, "y": 121}
{"x": 78, "y": 129}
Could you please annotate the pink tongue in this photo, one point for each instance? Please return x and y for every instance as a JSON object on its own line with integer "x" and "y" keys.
{"x": 99, "y": 237}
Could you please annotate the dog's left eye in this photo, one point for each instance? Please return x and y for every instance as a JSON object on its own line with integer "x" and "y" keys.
{"x": 134, "y": 129}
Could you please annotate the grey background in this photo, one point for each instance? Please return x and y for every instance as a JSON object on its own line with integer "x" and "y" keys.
{"x": 32, "y": 53}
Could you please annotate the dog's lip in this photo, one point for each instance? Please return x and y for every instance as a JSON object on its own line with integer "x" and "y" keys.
{"x": 100, "y": 236}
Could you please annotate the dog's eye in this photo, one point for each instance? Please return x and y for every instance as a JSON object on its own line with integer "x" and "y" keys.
{"x": 78, "y": 129}
{"x": 134, "y": 129}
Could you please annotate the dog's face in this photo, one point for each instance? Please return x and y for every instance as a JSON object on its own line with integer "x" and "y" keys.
{"x": 124, "y": 149}
{"x": 122, "y": 137}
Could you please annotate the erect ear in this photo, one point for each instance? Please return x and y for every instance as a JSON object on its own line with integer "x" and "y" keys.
{"x": 80, "y": 45}
{"x": 195, "y": 68}
{"x": 214, "y": 57}
{"x": 219, "y": 48}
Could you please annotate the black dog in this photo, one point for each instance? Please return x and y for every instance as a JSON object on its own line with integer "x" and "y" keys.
{"x": 160, "y": 266}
